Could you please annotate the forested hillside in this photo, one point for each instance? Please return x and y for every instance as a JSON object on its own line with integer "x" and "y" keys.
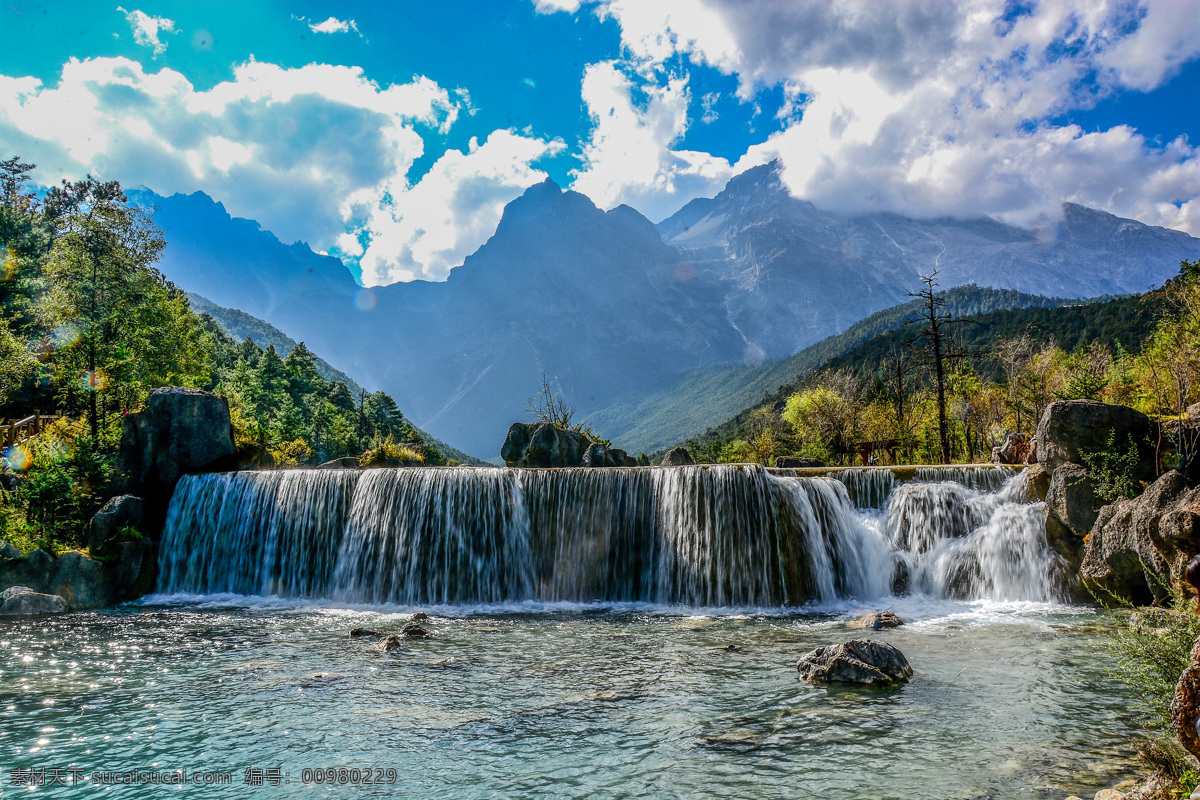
{"x": 688, "y": 403}
{"x": 1001, "y": 369}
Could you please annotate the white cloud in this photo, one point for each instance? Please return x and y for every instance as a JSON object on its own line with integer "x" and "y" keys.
{"x": 146, "y": 29}
{"x": 552, "y": 6}
{"x": 927, "y": 107}
{"x": 287, "y": 147}
{"x": 628, "y": 158}
{"x": 333, "y": 25}
{"x": 426, "y": 230}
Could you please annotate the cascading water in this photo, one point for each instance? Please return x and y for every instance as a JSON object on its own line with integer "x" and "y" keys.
{"x": 715, "y": 536}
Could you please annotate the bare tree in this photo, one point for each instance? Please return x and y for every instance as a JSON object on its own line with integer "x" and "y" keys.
{"x": 938, "y": 347}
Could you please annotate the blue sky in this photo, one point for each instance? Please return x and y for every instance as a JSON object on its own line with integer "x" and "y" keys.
{"x": 392, "y": 134}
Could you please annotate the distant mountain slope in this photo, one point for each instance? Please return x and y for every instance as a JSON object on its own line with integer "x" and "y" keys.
{"x": 608, "y": 305}
{"x": 694, "y": 400}
{"x": 240, "y": 325}
{"x": 1123, "y": 320}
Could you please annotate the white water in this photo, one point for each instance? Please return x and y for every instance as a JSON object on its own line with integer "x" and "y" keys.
{"x": 720, "y": 536}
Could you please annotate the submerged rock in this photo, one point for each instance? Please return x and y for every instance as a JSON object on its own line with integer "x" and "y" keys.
{"x": 357, "y": 632}
{"x": 23, "y": 601}
{"x": 860, "y": 661}
{"x": 877, "y": 620}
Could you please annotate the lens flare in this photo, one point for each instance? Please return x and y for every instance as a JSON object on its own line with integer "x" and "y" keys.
{"x": 94, "y": 381}
{"x": 8, "y": 264}
{"x": 64, "y": 336}
{"x": 365, "y": 300}
{"x": 17, "y": 458}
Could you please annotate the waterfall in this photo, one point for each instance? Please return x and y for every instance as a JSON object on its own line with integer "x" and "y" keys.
{"x": 704, "y": 536}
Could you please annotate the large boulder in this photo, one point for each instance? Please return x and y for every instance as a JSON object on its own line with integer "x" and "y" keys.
{"x": 118, "y": 514}
{"x": 597, "y": 455}
{"x": 23, "y": 601}
{"x": 1071, "y": 499}
{"x": 541, "y": 444}
{"x": 125, "y": 572}
{"x": 1139, "y": 545}
{"x": 1071, "y": 428}
{"x": 861, "y": 661}
{"x": 677, "y": 457}
{"x": 180, "y": 431}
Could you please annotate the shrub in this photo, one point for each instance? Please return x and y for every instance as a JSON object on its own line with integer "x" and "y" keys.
{"x": 1113, "y": 471}
{"x": 388, "y": 450}
{"x": 291, "y": 454}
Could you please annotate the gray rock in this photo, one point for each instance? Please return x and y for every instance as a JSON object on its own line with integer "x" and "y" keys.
{"x": 677, "y": 457}
{"x": 357, "y": 632}
{"x": 1138, "y": 545}
{"x": 540, "y": 444}
{"x": 1071, "y": 499}
{"x": 596, "y": 455}
{"x": 390, "y": 643}
{"x": 122, "y": 511}
{"x": 795, "y": 462}
{"x": 412, "y": 630}
{"x": 23, "y": 601}
{"x": 417, "y": 616}
{"x": 180, "y": 431}
{"x": 348, "y": 462}
{"x": 878, "y": 620}
{"x": 8, "y": 550}
{"x": 85, "y": 582}
{"x": 860, "y": 661}
{"x": 1070, "y": 428}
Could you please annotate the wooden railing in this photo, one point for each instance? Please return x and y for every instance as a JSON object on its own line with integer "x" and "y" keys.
{"x": 19, "y": 430}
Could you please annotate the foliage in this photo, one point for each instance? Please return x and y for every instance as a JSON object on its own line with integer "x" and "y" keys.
{"x": 291, "y": 454}
{"x": 1151, "y": 649}
{"x": 1112, "y": 470}
{"x": 388, "y": 450}
{"x": 549, "y": 406}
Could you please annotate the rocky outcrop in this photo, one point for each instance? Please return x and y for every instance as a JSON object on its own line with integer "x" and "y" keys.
{"x": 677, "y": 457}
{"x": 1071, "y": 499}
{"x": 180, "y": 431}
{"x": 1139, "y": 544}
{"x": 1185, "y": 705}
{"x": 859, "y": 661}
{"x": 126, "y": 572}
{"x": 1070, "y": 428}
{"x": 597, "y": 455}
{"x": 23, "y": 601}
{"x": 541, "y": 444}
{"x": 795, "y": 462}
{"x": 118, "y": 514}
{"x": 1016, "y": 449}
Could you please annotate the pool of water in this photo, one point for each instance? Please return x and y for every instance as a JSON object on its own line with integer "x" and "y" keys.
{"x": 1007, "y": 701}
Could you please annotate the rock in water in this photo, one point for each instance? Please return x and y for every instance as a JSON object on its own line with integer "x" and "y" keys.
{"x": 677, "y": 457}
{"x": 356, "y": 632}
{"x": 389, "y": 644}
{"x": 414, "y": 631}
{"x": 861, "y": 661}
{"x": 23, "y": 601}
{"x": 417, "y": 616}
{"x": 877, "y": 620}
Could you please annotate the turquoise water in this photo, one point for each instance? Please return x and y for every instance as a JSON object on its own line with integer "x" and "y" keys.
{"x": 1007, "y": 701}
